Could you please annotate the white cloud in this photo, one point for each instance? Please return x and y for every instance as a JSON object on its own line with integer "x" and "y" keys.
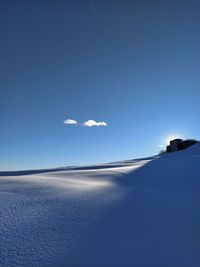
{"x": 161, "y": 146}
{"x": 91, "y": 123}
{"x": 70, "y": 121}
{"x": 88, "y": 123}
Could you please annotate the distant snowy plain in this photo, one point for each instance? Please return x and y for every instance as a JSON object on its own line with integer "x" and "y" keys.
{"x": 136, "y": 213}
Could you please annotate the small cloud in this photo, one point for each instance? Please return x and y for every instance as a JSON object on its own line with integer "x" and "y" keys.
{"x": 161, "y": 146}
{"x": 88, "y": 123}
{"x": 91, "y": 123}
{"x": 70, "y": 121}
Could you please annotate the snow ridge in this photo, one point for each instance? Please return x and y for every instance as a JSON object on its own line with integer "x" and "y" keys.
{"x": 142, "y": 212}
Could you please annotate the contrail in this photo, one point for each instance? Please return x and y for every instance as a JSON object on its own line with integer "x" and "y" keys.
{"x": 92, "y": 6}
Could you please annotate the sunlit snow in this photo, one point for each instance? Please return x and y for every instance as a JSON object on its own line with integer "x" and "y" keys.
{"x": 131, "y": 213}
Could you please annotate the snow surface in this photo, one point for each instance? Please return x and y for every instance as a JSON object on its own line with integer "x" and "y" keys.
{"x": 136, "y": 213}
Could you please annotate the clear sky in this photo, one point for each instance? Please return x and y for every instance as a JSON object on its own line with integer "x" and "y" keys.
{"x": 133, "y": 65}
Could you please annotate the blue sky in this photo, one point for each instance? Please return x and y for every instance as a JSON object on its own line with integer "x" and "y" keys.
{"x": 131, "y": 64}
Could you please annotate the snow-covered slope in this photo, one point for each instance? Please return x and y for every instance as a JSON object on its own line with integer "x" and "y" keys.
{"x": 133, "y": 213}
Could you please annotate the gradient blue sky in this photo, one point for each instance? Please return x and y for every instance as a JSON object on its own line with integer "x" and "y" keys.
{"x": 133, "y": 64}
